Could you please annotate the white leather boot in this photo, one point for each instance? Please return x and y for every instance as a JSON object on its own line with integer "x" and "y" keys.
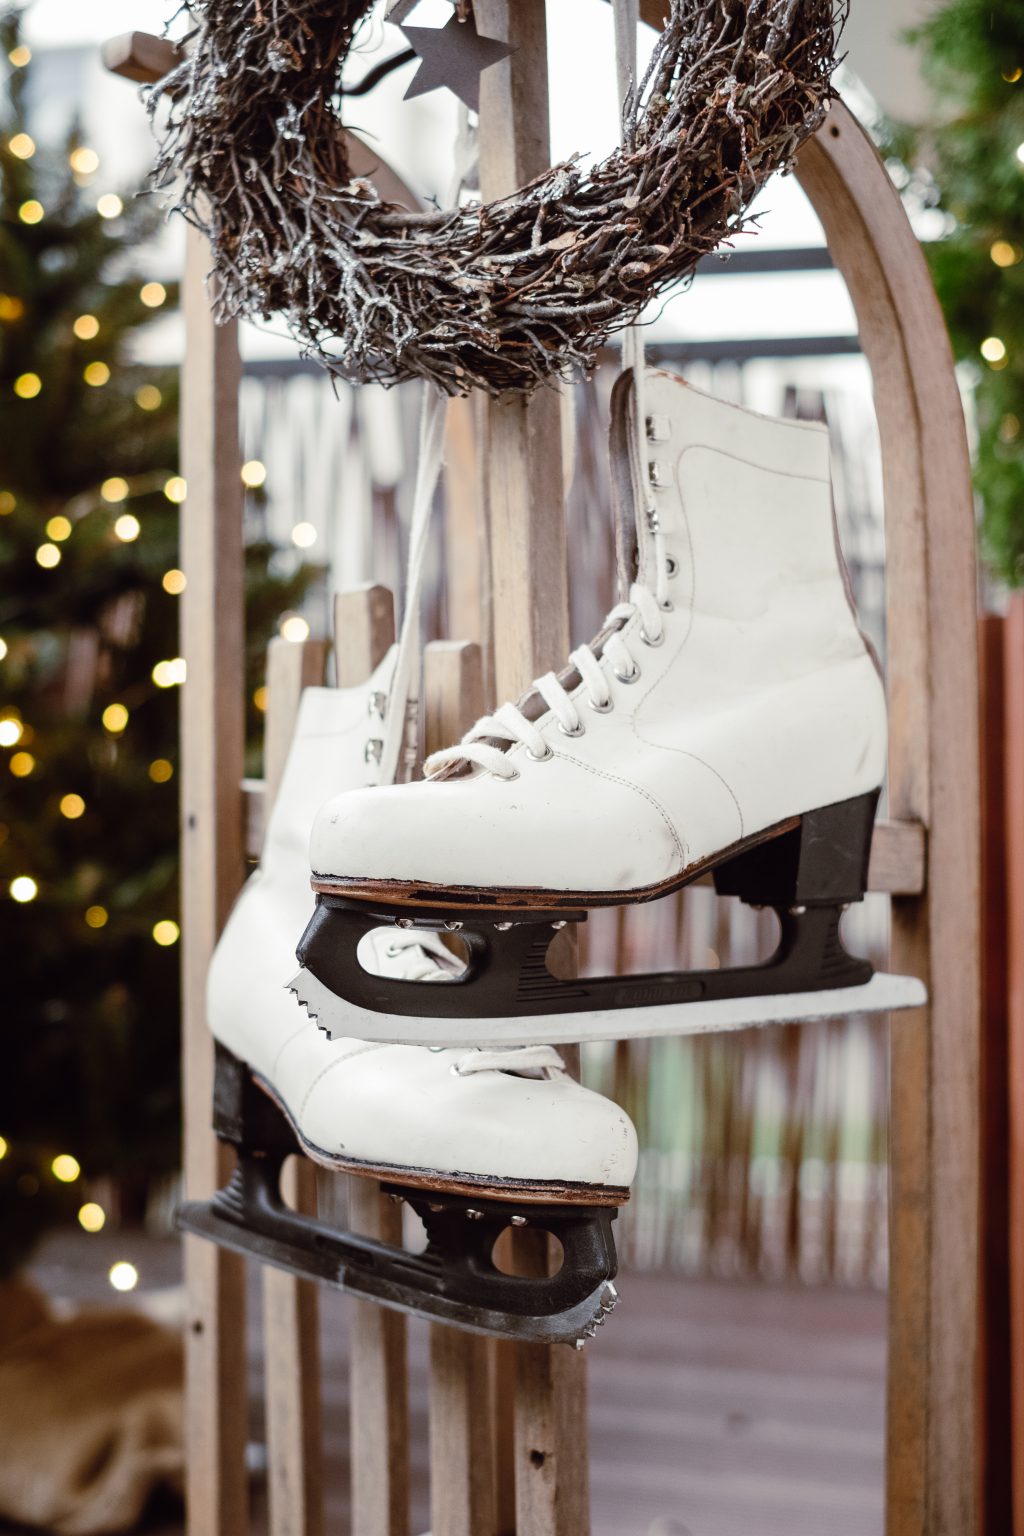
{"x": 510, "y": 1125}
{"x": 731, "y": 693}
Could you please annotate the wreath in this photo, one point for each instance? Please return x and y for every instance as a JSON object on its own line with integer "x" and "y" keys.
{"x": 501, "y": 295}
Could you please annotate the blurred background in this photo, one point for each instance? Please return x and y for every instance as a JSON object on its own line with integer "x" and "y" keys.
{"x": 763, "y": 1157}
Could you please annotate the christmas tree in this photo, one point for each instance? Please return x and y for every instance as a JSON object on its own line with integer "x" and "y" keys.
{"x": 973, "y": 56}
{"x": 90, "y": 501}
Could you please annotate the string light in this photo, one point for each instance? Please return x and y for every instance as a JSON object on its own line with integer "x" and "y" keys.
{"x": 23, "y": 888}
{"x": 92, "y": 1216}
{"x": 10, "y": 732}
{"x": 1013, "y": 74}
{"x": 84, "y": 162}
{"x": 169, "y": 674}
{"x": 32, "y": 212}
{"x": 115, "y": 718}
{"x": 175, "y": 489}
{"x": 127, "y": 528}
{"x": 72, "y": 806}
{"x": 148, "y": 397}
{"x": 22, "y": 146}
{"x": 166, "y": 932}
{"x": 173, "y": 581}
{"x": 254, "y": 473}
{"x": 993, "y": 350}
{"x": 10, "y": 307}
{"x": 109, "y": 206}
{"x": 123, "y": 1276}
{"x": 260, "y": 698}
{"x": 48, "y": 555}
{"x": 294, "y": 627}
{"x": 3, "y": 1148}
{"x": 96, "y": 917}
{"x": 1009, "y": 428}
{"x": 27, "y": 386}
{"x": 65, "y": 1168}
{"x": 96, "y": 375}
{"x": 115, "y": 489}
{"x": 59, "y": 529}
{"x": 22, "y": 764}
{"x": 20, "y": 56}
{"x": 86, "y": 327}
{"x": 303, "y": 535}
{"x": 8, "y": 502}
{"x": 3, "y": 650}
{"x": 153, "y": 295}
{"x": 161, "y": 770}
{"x": 1004, "y": 254}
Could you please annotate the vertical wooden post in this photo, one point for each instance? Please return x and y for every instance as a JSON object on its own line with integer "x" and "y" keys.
{"x": 1014, "y": 716}
{"x": 523, "y": 497}
{"x": 212, "y": 620}
{"x": 291, "y": 1342}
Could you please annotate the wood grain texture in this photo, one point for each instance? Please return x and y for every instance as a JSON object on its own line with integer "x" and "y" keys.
{"x": 364, "y": 628}
{"x": 1013, "y": 709}
{"x": 291, "y": 1306}
{"x": 140, "y": 56}
{"x": 932, "y": 1473}
{"x": 212, "y": 733}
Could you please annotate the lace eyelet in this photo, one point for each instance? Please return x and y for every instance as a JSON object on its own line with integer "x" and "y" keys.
{"x": 508, "y": 777}
{"x": 540, "y": 757}
{"x": 671, "y": 566}
{"x": 652, "y": 640}
{"x": 578, "y": 729}
{"x": 602, "y": 709}
{"x": 668, "y": 606}
{"x": 626, "y": 677}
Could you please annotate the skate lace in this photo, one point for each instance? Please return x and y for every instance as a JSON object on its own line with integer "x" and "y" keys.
{"x": 511, "y": 726}
{"x": 526, "y": 1058}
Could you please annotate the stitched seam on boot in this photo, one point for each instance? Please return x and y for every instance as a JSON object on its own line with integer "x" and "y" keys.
{"x": 613, "y": 778}
{"x": 342, "y": 1061}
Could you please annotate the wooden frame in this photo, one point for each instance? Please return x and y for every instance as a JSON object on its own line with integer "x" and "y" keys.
{"x": 929, "y": 859}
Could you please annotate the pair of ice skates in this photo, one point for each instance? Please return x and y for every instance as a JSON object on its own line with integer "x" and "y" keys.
{"x": 729, "y": 718}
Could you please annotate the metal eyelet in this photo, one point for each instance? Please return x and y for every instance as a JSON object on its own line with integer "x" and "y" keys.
{"x": 602, "y": 709}
{"x": 578, "y": 729}
{"x": 651, "y": 640}
{"x": 668, "y": 606}
{"x": 626, "y": 677}
{"x": 373, "y": 751}
{"x": 515, "y": 774}
{"x": 671, "y": 566}
{"x": 540, "y": 757}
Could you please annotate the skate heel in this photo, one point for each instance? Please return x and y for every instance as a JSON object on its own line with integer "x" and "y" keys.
{"x": 243, "y": 1114}
{"x": 821, "y": 862}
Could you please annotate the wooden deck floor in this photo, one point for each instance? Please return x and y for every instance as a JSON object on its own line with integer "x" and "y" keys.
{"x": 715, "y": 1409}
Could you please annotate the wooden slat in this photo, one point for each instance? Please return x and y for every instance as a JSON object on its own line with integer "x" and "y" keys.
{"x": 212, "y": 866}
{"x": 140, "y": 56}
{"x": 291, "y": 1306}
{"x": 932, "y": 1469}
{"x": 364, "y": 628}
{"x": 1013, "y": 709}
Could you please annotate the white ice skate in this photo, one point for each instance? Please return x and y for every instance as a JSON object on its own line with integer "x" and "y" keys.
{"x": 474, "y": 1139}
{"x": 728, "y": 718}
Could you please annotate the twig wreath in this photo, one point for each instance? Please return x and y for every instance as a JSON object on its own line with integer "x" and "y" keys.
{"x": 501, "y": 295}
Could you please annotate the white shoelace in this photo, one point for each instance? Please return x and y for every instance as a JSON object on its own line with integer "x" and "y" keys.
{"x": 526, "y": 1058}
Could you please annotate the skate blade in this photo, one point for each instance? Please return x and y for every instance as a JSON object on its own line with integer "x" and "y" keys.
{"x": 336, "y": 1017}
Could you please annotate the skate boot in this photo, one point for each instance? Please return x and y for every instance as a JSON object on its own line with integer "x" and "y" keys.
{"x": 473, "y": 1140}
{"x": 728, "y": 718}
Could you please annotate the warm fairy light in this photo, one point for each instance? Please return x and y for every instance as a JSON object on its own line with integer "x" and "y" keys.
{"x": 109, "y": 206}
{"x": 294, "y": 627}
{"x": 83, "y": 161}
{"x": 127, "y": 528}
{"x": 48, "y": 555}
{"x": 72, "y": 806}
{"x": 153, "y": 295}
{"x": 175, "y": 489}
{"x": 115, "y": 489}
{"x": 96, "y": 917}
{"x": 20, "y": 56}
{"x": 161, "y": 769}
{"x": 123, "y": 1276}
{"x": 92, "y": 1216}
{"x": 254, "y": 473}
{"x": 993, "y": 350}
{"x": 59, "y": 529}
{"x": 166, "y": 932}
{"x": 168, "y": 674}
{"x": 23, "y": 888}
{"x": 22, "y": 764}
{"x": 3, "y": 650}
{"x": 65, "y": 1168}
{"x": 27, "y": 386}
{"x": 173, "y": 581}
{"x": 1009, "y": 428}
{"x": 11, "y": 308}
{"x": 115, "y": 718}
{"x": 303, "y": 535}
{"x": 10, "y": 732}
{"x": 3, "y": 1148}
{"x": 1004, "y": 254}
{"x": 31, "y": 212}
{"x": 1013, "y": 74}
{"x": 8, "y": 502}
{"x": 148, "y": 397}
{"x": 86, "y": 327}
{"x": 96, "y": 375}
{"x": 260, "y": 698}
{"x": 22, "y": 146}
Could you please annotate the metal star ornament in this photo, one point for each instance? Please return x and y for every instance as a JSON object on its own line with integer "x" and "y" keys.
{"x": 454, "y": 56}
